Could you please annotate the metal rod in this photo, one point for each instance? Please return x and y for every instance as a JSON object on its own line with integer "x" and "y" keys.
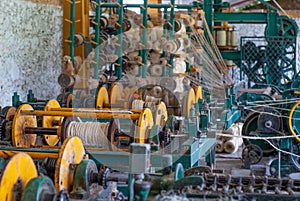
{"x": 40, "y": 131}
{"x": 120, "y": 38}
{"x": 100, "y": 115}
{"x": 97, "y": 38}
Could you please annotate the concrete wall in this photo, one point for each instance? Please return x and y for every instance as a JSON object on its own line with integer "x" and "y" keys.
{"x": 30, "y": 49}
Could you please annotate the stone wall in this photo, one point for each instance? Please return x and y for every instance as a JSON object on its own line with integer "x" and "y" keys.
{"x": 30, "y": 49}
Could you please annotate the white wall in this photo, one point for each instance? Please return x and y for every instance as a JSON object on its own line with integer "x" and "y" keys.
{"x": 30, "y": 49}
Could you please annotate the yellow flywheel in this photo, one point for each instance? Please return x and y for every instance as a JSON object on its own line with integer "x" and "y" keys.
{"x": 19, "y": 170}
{"x": 52, "y": 122}
{"x": 145, "y": 123}
{"x": 19, "y": 138}
{"x": 294, "y": 121}
{"x": 71, "y": 152}
{"x": 198, "y": 93}
{"x": 161, "y": 114}
{"x": 115, "y": 94}
{"x": 102, "y": 97}
{"x": 187, "y": 102}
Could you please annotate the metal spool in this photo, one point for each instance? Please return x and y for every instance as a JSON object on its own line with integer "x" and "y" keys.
{"x": 71, "y": 152}
{"x": 111, "y": 134}
{"x": 20, "y": 122}
{"x": 52, "y": 122}
{"x": 17, "y": 173}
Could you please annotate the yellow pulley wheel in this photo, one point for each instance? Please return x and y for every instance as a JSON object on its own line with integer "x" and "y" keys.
{"x": 294, "y": 121}
{"x": 115, "y": 94}
{"x": 145, "y": 123}
{"x": 52, "y": 122}
{"x": 71, "y": 152}
{"x": 20, "y": 122}
{"x": 19, "y": 170}
{"x": 161, "y": 114}
{"x": 188, "y": 102}
{"x": 198, "y": 93}
{"x": 8, "y": 111}
{"x": 102, "y": 97}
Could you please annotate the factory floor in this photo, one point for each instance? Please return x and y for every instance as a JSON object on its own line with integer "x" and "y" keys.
{"x": 229, "y": 162}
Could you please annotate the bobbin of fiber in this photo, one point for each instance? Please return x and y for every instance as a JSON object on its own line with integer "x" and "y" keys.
{"x": 157, "y": 91}
{"x": 149, "y": 45}
{"x": 157, "y": 46}
{"x": 126, "y": 25}
{"x": 113, "y": 18}
{"x": 163, "y": 61}
{"x": 103, "y": 22}
{"x": 186, "y": 42}
{"x": 221, "y": 38}
{"x": 134, "y": 70}
{"x": 79, "y": 39}
{"x": 138, "y": 19}
{"x": 156, "y": 70}
{"x": 170, "y": 46}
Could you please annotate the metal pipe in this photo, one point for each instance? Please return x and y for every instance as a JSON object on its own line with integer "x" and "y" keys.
{"x": 100, "y": 115}
{"x": 38, "y": 154}
{"x": 97, "y": 39}
{"x": 40, "y": 131}
{"x": 120, "y": 40}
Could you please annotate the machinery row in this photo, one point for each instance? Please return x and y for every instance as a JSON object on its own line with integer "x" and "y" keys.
{"x": 142, "y": 105}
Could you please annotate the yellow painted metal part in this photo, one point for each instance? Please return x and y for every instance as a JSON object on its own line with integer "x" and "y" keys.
{"x": 48, "y": 121}
{"x": 145, "y": 123}
{"x": 69, "y": 112}
{"x": 188, "y": 102}
{"x": 20, "y": 167}
{"x": 71, "y": 152}
{"x": 198, "y": 93}
{"x": 290, "y": 122}
{"x": 35, "y": 155}
{"x": 102, "y": 97}
{"x": 10, "y": 112}
{"x": 19, "y": 138}
{"x": 69, "y": 100}
{"x": 115, "y": 94}
{"x": 161, "y": 114}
